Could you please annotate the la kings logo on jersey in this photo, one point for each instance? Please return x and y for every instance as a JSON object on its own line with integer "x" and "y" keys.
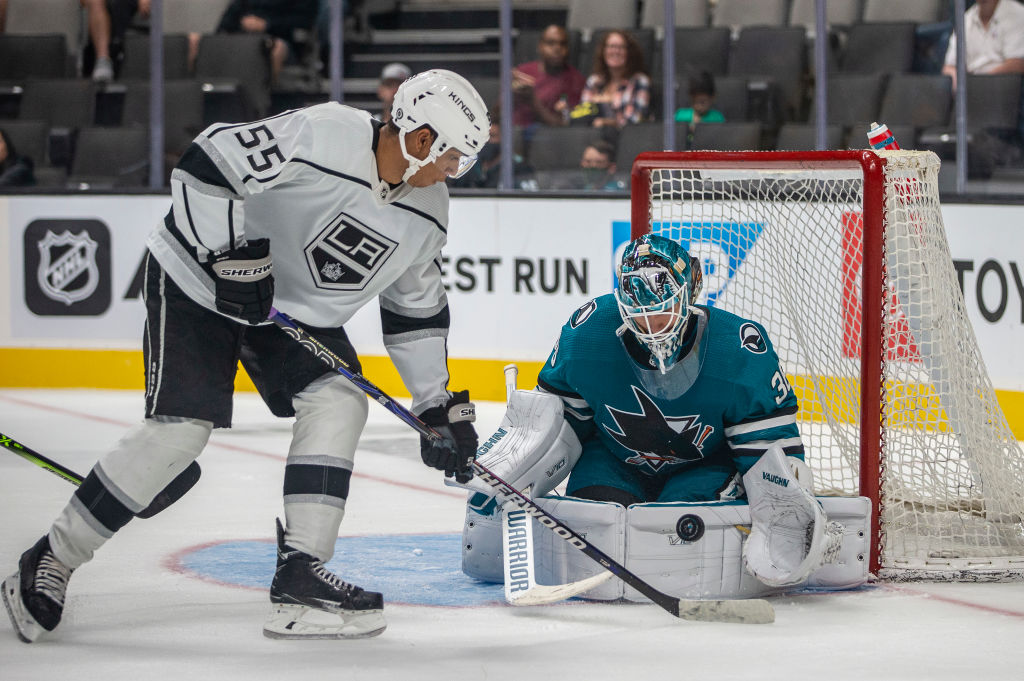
{"x": 346, "y": 254}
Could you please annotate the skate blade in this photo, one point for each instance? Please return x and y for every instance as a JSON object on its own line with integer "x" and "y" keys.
{"x": 300, "y": 621}
{"x": 24, "y": 624}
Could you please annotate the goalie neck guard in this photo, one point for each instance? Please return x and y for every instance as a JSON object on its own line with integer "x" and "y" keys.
{"x": 451, "y": 107}
{"x": 658, "y": 284}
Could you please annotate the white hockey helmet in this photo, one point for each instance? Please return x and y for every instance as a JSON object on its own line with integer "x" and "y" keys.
{"x": 452, "y": 107}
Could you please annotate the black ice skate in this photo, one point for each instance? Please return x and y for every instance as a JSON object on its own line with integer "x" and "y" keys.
{"x": 34, "y": 595}
{"x": 309, "y": 601}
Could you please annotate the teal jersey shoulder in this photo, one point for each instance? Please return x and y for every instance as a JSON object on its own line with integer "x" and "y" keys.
{"x": 726, "y": 398}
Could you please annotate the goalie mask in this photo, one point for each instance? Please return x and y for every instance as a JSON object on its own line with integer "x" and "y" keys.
{"x": 658, "y": 282}
{"x": 452, "y": 108}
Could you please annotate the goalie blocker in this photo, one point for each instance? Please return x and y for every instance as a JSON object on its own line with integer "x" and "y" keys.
{"x": 704, "y": 550}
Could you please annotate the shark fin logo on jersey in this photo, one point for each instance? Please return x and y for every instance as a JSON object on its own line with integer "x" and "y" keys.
{"x": 346, "y": 254}
{"x": 752, "y": 340}
{"x": 582, "y": 314}
{"x": 658, "y": 440}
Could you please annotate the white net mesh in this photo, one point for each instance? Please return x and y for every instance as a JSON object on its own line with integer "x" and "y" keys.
{"x": 784, "y": 247}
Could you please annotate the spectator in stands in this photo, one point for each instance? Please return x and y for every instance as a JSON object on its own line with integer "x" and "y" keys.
{"x": 108, "y": 20}
{"x": 98, "y": 19}
{"x": 3, "y": 15}
{"x": 994, "y": 39}
{"x": 391, "y": 76}
{"x": 618, "y": 87}
{"x": 545, "y": 90}
{"x": 702, "y": 102}
{"x": 279, "y": 19}
{"x": 15, "y": 170}
{"x": 598, "y": 167}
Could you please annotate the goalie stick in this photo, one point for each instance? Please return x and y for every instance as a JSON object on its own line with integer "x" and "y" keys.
{"x": 175, "y": 490}
{"x": 749, "y": 611}
{"x": 521, "y": 587}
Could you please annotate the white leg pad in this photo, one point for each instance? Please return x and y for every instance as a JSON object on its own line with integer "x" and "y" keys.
{"x": 602, "y": 524}
{"x": 645, "y": 538}
{"x": 481, "y": 546}
{"x": 691, "y": 550}
{"x": 848, "y": 569}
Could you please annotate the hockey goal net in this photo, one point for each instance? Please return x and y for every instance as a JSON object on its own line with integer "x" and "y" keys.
{"x": 843, "y": 257}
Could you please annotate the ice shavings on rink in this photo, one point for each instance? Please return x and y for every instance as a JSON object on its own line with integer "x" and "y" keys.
{"x": 421, "y": 569}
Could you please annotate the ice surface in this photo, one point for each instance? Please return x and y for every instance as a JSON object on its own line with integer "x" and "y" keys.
{"x": 183, "y": 595}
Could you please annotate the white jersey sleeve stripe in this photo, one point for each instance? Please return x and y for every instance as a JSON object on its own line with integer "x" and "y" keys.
{"x": 764, "y": 445}
{"x": 763, "y": 424}
{"x": 581, "y": 416}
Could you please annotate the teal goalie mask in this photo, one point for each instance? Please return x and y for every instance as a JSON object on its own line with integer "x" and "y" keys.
{"x": 658, "y": 282}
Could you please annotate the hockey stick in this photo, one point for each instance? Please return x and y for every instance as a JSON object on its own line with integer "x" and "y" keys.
{"x": 521, "y": 587}
{"x": 750, "y": 611}
{"x": 175, "y": 490}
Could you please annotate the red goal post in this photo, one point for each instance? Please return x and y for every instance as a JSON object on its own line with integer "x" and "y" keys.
{"x": 842, "y": 255}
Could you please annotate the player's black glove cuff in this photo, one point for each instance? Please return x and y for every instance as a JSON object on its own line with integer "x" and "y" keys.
{"x": 243, "y": 281}
{"x": 455, "y": 453}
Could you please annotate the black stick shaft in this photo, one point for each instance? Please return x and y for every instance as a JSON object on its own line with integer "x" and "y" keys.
{"x": 289, "y": 326}
{"x": 38, "y": 459}
{"x": 175, "y": 490}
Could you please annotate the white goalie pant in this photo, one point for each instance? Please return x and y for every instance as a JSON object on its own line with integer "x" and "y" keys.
{"x": 687, "y": 550}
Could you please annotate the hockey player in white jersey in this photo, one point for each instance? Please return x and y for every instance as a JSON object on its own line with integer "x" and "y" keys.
{"x": 316, "y": 211}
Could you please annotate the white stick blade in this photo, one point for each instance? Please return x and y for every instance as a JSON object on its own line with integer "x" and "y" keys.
{"x": 747, "y": 611}
{"x": 541, "y": 595}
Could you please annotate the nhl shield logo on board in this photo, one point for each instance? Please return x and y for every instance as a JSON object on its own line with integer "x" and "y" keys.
{"x": 67, "y": 267}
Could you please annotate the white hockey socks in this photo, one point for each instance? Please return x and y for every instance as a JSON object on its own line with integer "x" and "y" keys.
{"x": 329, "y": 417}
{"x": 136, "y": 470}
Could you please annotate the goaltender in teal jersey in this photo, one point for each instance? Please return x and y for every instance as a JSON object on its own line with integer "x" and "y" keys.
{"x": 671, "y": 401}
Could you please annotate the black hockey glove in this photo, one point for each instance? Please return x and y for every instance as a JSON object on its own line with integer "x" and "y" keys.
{"x": 243, "y": 280}
{"x": 456, "y": 452}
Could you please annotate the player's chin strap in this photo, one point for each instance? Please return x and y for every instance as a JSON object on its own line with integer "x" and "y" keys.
{"x": 790, "y": 536}
{"x": 414, "y": 163}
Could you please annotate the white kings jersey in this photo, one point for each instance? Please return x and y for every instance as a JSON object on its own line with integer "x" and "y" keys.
{"x": 307, "y": 181}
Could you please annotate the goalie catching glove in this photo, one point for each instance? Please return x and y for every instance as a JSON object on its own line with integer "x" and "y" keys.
{"x": 243, "y": 282}
{"x": 790, "y": 536}
{"x": 455, "y": 452}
